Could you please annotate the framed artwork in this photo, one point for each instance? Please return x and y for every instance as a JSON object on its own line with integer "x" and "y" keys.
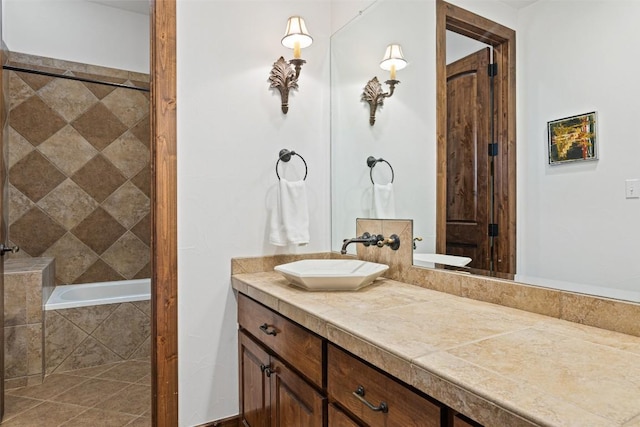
{"x": 572, "y": 139}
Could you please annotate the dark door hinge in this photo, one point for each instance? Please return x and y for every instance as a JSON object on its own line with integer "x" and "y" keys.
{"x": 493, "y": 230}
{"x": 493, "y": 149}
{"x": 493, "y": 69}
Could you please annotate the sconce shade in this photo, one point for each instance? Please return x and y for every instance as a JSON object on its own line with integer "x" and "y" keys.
{"x": 296, "y": 32}
{"x": 393, "y": 57}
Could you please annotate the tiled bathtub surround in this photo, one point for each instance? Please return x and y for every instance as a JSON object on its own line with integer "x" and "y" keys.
{"x": 79, "y": 170}
{"x": 84, "y": 337}
{"x": 27, "y": 285}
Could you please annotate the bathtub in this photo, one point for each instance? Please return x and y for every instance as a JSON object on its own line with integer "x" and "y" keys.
{"x": 72, "y": 296}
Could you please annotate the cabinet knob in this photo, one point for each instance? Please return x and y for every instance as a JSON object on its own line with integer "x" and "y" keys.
{"x": 266, "y": 370}
{"x": 359, "y": 394}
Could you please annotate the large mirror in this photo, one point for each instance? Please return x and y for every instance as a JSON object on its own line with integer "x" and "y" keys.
{"x": 576, "y": 228}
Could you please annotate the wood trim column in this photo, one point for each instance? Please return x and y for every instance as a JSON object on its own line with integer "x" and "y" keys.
{"x": 164, "y": 257}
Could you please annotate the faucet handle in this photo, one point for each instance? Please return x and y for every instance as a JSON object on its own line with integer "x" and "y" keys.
{"x": 416, "y": 239}
{"x": 392, "y": 241}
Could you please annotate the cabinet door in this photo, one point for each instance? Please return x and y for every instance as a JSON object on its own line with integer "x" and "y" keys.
{"x": 293, "y": 401}
{"x": 337, "y": 418}
{"x": 254, "y": 383}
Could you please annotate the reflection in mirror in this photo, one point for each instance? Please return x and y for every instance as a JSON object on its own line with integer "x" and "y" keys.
{"x": 576, "y": 230}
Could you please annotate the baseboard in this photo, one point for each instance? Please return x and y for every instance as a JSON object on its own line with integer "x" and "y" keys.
{"x": 225, "y": 422}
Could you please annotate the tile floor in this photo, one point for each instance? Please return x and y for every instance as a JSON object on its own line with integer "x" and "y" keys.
{"x": 114, "y": 395}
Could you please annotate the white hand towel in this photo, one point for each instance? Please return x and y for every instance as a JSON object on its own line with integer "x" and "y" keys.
{"x": 384, "y": 204}
{"x": 290, "y": 219}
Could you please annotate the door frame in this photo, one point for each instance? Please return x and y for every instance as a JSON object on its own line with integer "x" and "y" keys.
{"x": 503, "y": 41}
{"x": 164, "y": 256}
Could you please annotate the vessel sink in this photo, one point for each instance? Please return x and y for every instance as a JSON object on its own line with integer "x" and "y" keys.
{"x": 331, "y": 274}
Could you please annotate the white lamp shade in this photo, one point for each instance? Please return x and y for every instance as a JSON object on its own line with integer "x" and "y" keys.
{"x": 393, "y": 56}
{"x": 296, "y": 32}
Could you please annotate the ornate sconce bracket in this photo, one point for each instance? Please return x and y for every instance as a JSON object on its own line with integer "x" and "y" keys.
{"x": 374, "y": 96}
{"x": 285, "y": 77}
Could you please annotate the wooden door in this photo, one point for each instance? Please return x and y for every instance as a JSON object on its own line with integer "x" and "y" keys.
{"x": 4, "y": 199}
{"x": 293, "y": 401}
{"x": 468, "y": 192}
{"x": 254, "y": 383}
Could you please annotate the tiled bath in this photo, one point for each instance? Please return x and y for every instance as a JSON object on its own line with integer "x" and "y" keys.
{"x": 39, "y": 342}
{"x": 84, "y": 337}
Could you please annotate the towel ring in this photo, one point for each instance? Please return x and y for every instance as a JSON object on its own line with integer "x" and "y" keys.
{"x": 372, "y": 161}
{"x": 285, "y": 156}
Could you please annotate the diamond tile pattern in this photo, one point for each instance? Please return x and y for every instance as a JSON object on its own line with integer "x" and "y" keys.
{"x": 68, "y": 150}
{"x": 110, "y": 230}
{"x": 35, "y": 176}
{"x": 68, "y": 204}
{"x": 80, "y": 176}
{"x": 99, "y": 126}
{"x": 127, "y": 204}
{"x": 99, "y": 178}
{"x": 128, "y": 154}
{"x": 128, "y": 255}
{"x": 35, "y": 120}
{"x": 35, "y": 232}
{"x": 76, "y": 100}
{"x": 130, "y": 106}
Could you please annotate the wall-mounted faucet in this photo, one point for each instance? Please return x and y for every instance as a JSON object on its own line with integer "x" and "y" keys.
{"x": 368, "y": 239}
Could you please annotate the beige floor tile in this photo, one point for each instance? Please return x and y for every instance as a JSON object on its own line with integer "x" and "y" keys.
{"x": 140, "y": 422}
{"x": 130, "y": 371}
{"x": 15, "y": 405}
{"x": 52, "y": 386}
{"x": 135, "y": 400}
{"x": 99, "y": 418}
{"x": 91, "y": 392}
{"x": 92, "y": 372}
{"x": 45, "y": 414}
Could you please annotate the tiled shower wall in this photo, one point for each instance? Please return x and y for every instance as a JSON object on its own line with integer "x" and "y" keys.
{"x": 79, "y": 170}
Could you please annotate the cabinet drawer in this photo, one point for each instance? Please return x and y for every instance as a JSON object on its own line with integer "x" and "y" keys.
{"x": 404, "y": 407}
{"x": 293, "y": 343}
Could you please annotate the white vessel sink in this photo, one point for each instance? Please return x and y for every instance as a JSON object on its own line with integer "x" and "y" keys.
{"x": 429, "y": 260}
{"x": 331, "y": 274}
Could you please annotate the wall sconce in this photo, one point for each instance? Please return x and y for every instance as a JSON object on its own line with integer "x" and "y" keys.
{"x": 283, "y": 77}
{"x": 392, "y": 61}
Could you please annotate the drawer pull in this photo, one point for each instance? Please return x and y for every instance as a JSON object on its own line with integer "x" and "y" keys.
{"x": 265, "y": 328}
{"x": 266, "y": 369}
{"x": 382, "y": 407}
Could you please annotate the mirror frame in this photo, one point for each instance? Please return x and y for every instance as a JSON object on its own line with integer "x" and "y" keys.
{"x": 503, "y": 40}
{"x": 164, "y": 242}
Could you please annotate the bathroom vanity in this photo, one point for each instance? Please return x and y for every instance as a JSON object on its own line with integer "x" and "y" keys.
{"x": 399, "y": 354}
{"x": 274, "y": 394}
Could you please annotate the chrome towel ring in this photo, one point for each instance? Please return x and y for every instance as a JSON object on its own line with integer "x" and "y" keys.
{"x": 372, "y": 161}
{"x": 285, "y": 156}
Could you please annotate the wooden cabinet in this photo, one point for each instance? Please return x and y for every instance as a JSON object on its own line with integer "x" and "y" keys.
{"x": 337, "y": 418}
{"x": 376, "y": 398}
{"x": 272, "y": 390}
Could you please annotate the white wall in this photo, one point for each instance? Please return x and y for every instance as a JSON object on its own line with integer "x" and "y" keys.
{"x": 574, "y": 223}
{"x": 230, "y": 130}
{"x": 78, "y": 31}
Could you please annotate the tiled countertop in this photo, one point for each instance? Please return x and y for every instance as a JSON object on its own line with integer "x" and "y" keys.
{"x": 495, "y": 364}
